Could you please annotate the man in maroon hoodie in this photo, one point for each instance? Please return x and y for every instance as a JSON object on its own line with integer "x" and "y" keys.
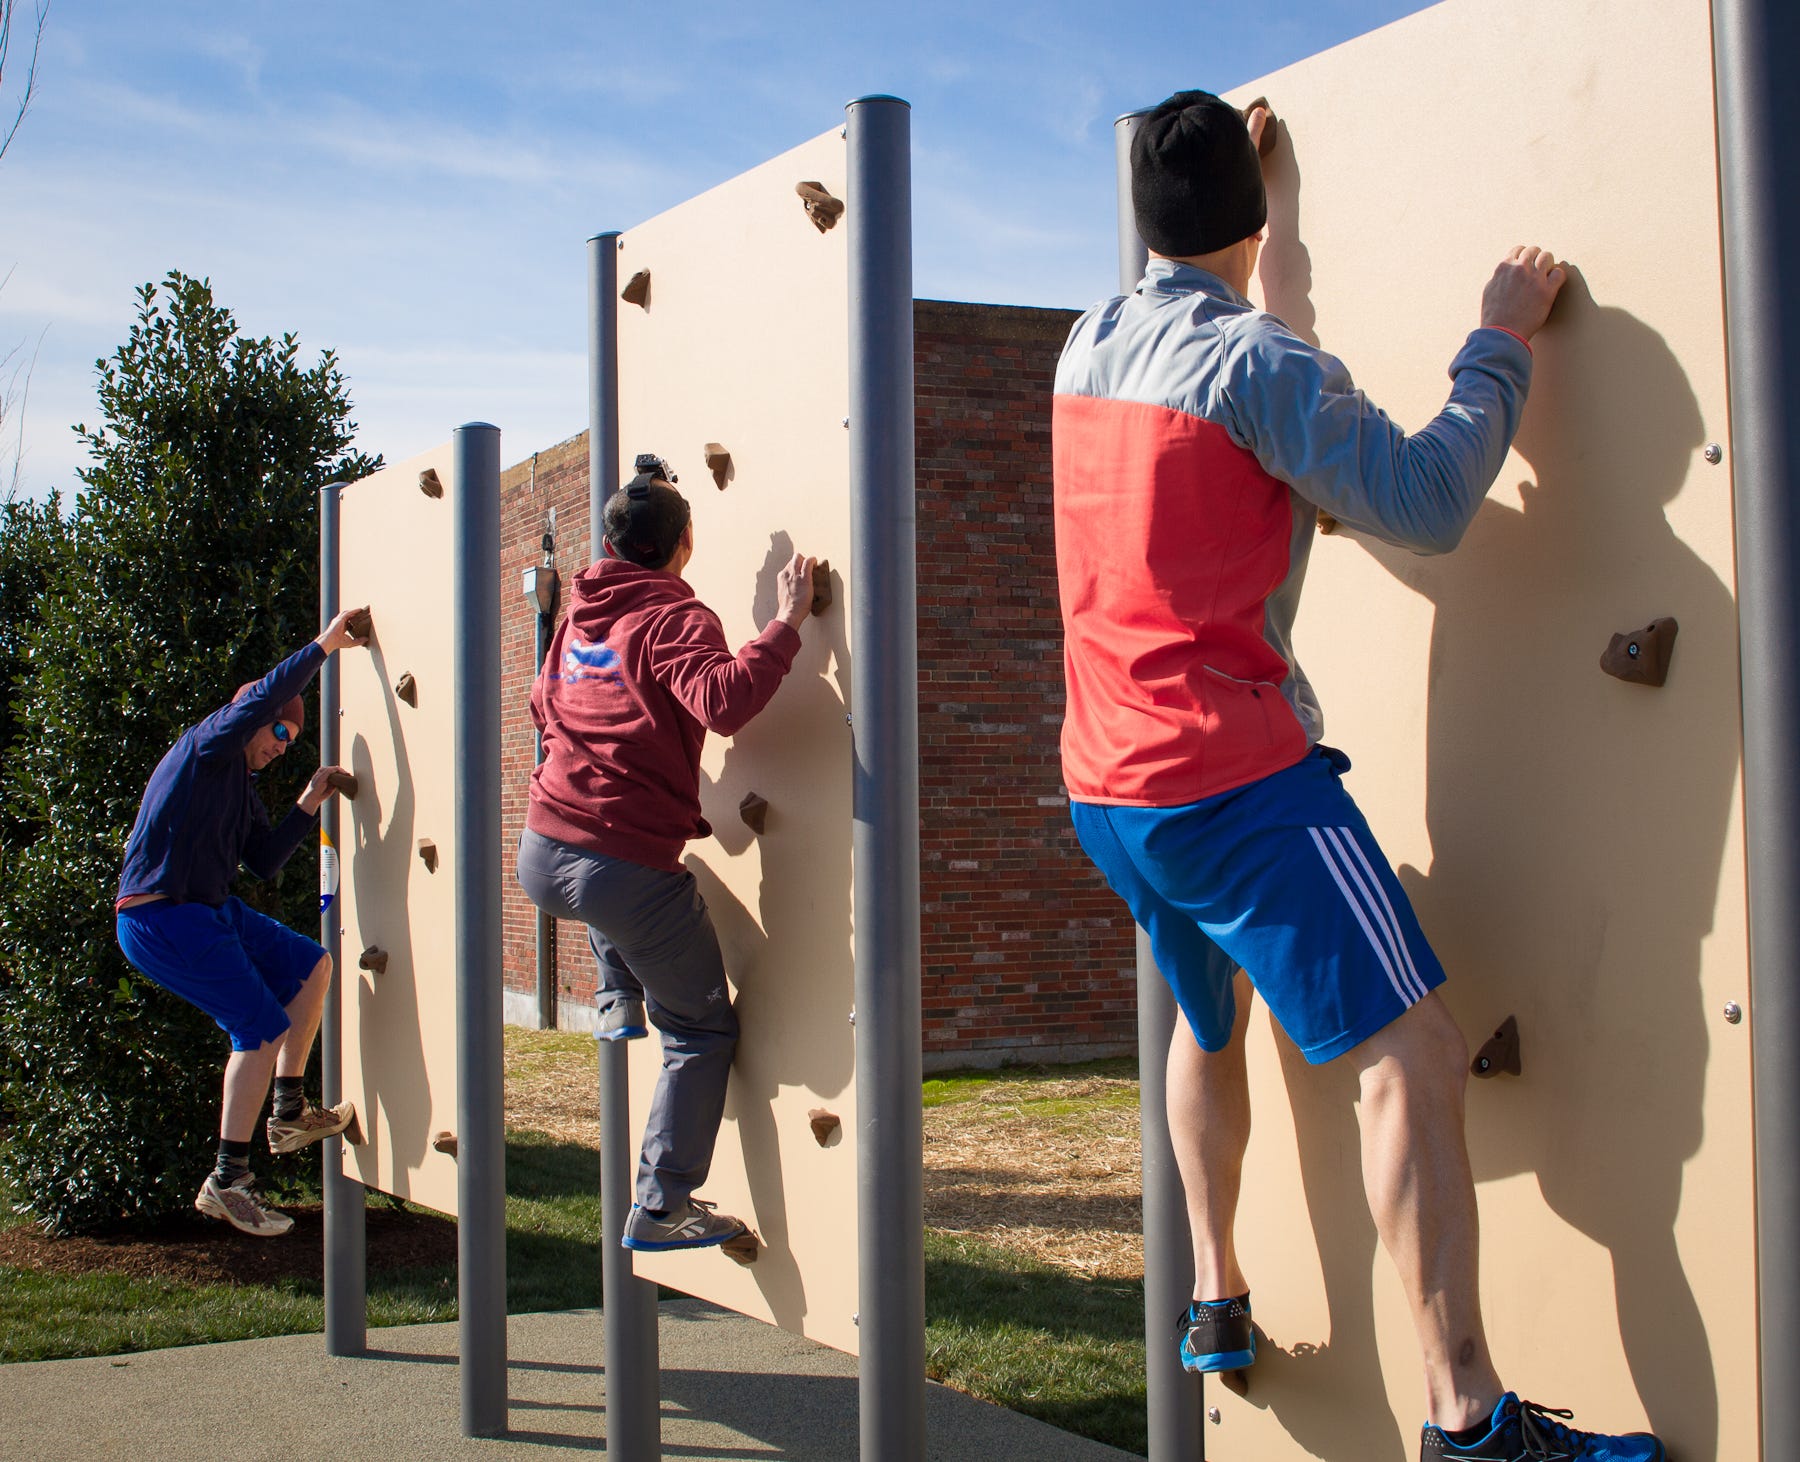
{"x": 637, "y": 675}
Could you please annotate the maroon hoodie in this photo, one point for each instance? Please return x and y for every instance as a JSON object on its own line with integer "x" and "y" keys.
{"x": 637, "y": 675}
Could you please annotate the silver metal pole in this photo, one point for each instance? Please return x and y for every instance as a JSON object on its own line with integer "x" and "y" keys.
{"x": 346, "y": 1266}
{"x": 1758, "y": 108}
{"x": 475, "y": 750}
{"x": 1174, "y": 1397}
{"x": 633, "y": 1367}
{"x": 885, "y": 834}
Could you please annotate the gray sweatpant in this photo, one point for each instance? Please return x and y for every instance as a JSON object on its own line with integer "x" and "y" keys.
{"x": 653, "y": 940}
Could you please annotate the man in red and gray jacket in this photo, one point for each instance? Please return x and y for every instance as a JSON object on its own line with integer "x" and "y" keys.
{"x": 637, "y": 675}
{"x": 1196, "y": 438}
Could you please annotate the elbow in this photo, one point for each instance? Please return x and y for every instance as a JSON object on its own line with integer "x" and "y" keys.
{"x": 1433, "y": 539}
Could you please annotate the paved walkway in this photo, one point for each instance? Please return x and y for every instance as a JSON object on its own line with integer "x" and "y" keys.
{"x": 732, "y": 1388}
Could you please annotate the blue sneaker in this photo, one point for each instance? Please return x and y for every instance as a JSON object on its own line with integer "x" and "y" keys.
{"x": 623, "y": 1020}
{"x": 1521, "y": 1431}
{"x": 1216, "y": 1335}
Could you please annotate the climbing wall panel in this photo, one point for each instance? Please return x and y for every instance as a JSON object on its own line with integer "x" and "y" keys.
{"x": 1572, "y": 842}
{"x": 741, "y": 342}
{"x": 397, "y": 890}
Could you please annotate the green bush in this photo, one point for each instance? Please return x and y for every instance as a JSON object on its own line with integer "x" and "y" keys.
{"x": 190, "y": 567}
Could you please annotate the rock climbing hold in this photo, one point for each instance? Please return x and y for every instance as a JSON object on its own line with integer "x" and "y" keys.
{"x": 430, "y": 483}
{"x": 718, "y": 462}
{"x": 1500, "y": 1052}
{"x": 824, "y": 1123}
{"x": 821, "y": 600}
{"x": 1327, "y": 523}
{"x": 637, "y": 289}
{"x": 373, "y": 960}
{"x": 821, "y": 207}
{"x": 743, "y": 1248}
{"x": 1642, "y": 657}
{"x": 344, "y": 782}
{"x": 1269, "y": 128}
{"x": 755, "y": 812}
{"x": 445, "y": 1142}
{"x": 408, "y": 690}
{"x": 360, "y": 623}
{"x": 428, "y": 853}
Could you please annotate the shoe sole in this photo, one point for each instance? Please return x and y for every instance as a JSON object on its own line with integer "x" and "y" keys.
{"x": 624, "y": 1033}
{"x": 659, "y": 1246}
{"x": 1219, "y": 1360}
{"x": 223, "y": 1214}
{"x": 294, "y": 1141}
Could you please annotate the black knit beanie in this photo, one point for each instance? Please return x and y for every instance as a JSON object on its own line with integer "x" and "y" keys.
{"x": 644, "y": 521}
{"x": 1196, "y": 181}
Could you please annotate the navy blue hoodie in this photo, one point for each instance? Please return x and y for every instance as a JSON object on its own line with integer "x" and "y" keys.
{"x": 201, "y": 815}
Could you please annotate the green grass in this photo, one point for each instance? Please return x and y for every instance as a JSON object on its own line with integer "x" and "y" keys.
{"x": 963, "y": 1086}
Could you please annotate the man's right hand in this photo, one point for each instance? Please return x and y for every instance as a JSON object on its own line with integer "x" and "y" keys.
{"x": 1524, "y": 286}
{"x": 794, "y": 590}
{"x": 337, "y": 634}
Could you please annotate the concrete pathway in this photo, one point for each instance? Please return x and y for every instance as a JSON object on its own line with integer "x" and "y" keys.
{"x": 732, "y": 1388}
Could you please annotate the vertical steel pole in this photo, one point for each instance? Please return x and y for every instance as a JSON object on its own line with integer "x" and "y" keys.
{"x": 633, "y": 1368}
{"x": 346, "y": 1268}
{"x": 1758, "y": 108}
{"x": 885, "y": 836}
{"x": 475, "y": 749}
{"x": 1174, "y": 1396}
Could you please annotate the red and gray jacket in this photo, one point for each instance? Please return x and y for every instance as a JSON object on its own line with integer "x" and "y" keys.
{"x": 1194, "y": 440}
{"x": 636, "y": 676}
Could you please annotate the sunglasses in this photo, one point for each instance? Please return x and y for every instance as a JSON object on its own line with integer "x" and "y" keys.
{"x": 281, "y": 733}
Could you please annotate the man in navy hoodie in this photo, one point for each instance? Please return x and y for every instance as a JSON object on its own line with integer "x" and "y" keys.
{"x": 180, "y": 926}
{"x": 637, "y": 675}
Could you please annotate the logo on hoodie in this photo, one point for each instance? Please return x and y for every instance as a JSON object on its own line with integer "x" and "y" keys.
{"x": 591, "y": 662}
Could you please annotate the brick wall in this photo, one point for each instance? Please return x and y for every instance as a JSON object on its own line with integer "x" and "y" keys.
{"x": 1027, "y": 956}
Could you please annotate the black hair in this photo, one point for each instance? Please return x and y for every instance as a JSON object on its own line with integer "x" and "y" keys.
{"x": 644, "y": 520}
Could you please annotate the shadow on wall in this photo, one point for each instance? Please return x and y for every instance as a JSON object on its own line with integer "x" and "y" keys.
{"x": 1577, "y": 827}
{"x": 788, "y": 957}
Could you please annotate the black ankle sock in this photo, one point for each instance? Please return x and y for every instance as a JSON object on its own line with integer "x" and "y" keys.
{"x": 234, "y": 1161}
{"x": 289, "y": 1097}
{"x": 1469, "y": 1435}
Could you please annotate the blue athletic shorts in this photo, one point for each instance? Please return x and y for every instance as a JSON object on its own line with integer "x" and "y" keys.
{"x": 1283, "y": 879}
{"x": 239, "y": 966}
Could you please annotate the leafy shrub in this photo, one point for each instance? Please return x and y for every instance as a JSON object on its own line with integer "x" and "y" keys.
{"x": 190, "y": 566}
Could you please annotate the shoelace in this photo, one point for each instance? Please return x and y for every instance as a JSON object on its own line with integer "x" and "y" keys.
{"x": 1544, "y": 1436}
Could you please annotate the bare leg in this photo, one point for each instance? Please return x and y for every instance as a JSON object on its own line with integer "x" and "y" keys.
{"x": 247, "y": 1076}
{"x": 303, "y": 1013}
{"x": 1209, "y": 1125}
{"x": 1421, "y": 1194}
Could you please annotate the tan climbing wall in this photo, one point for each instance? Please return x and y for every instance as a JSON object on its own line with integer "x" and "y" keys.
{"x": 1572, "y": 843}
{"x": 745, "y": 343}
{"x": 399, "y": 1033}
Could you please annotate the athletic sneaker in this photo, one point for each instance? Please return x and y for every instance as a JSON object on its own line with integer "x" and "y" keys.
{"x": 310, "y": 1126}
{"x": 1521, "y": 1431}
{"x": 623, "y": 1020}
{"x": 692, "y": 1226}
{"x": 1216, "y": 1335}
{"x": 240, "y": 1207}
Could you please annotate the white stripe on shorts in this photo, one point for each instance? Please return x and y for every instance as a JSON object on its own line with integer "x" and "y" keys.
{"x": 1391, "y": 920}
{"x": 1382, "y": 944}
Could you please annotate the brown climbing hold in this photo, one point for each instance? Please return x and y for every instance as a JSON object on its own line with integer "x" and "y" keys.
{"x": 718, "y": 462}
{"x": 821, "y": 600}
{"x": 430, "y": 483}
{"x": 1500, "y": 1052}
{"x": 1643, "y": 657}
{"x": 755, "y": 812}
{"x": 637, "y": 289}
{"x": 445, "y": 1142}
{"x": 824, "y": 1123}
{"x": 1327, "y": 523}
{"x": 341, "y": 781}
{"x": 408, "y": 690}
{"x": 821, "y": 207}
{"x": 743, "y": 1248}
{"x": 1269, "y": 129}
{"x": 354, "y": 1134}
{"x": 360, "y": 623}
{"x": 428, "y": 852}
{"x": 373, "y": 960}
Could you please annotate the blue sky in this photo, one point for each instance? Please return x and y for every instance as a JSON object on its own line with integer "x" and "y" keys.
{"x": 411, "y": 185}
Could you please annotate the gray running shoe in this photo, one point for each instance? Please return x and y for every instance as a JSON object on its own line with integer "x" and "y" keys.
{"x": 310, "y": 1126}
{"x": 240, "y": 1207}
{"x": 692, "y": 1226}
{"x": 623, "y": 1020}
